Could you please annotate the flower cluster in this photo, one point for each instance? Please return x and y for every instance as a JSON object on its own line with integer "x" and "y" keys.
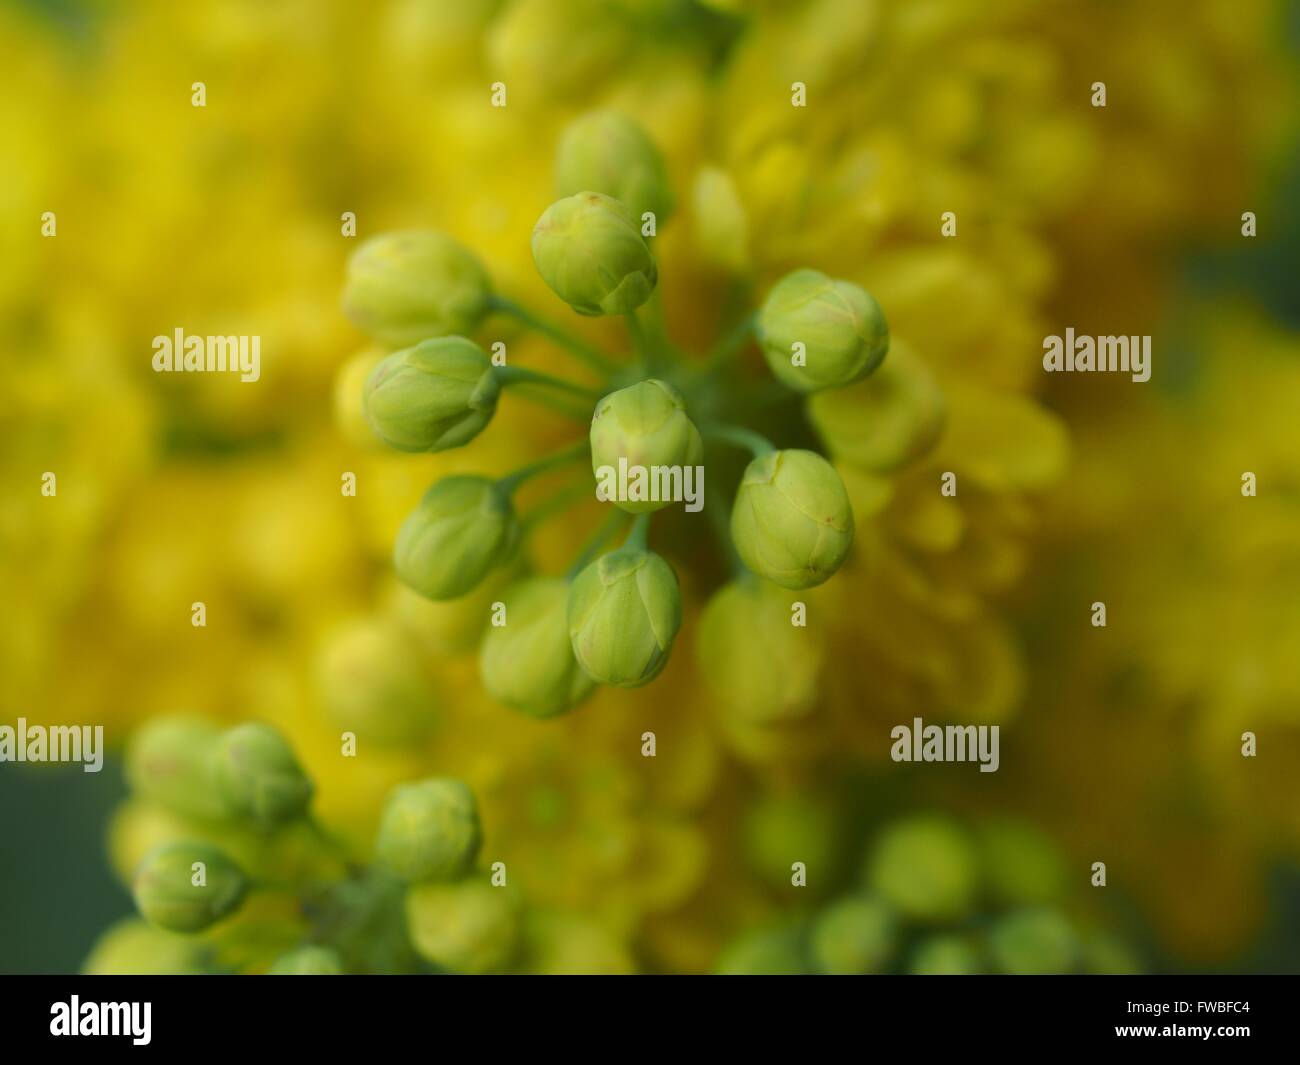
{"x": 935, "y": 896}
{"x": 231, "y": 871}
{"x": 791, "y": 520}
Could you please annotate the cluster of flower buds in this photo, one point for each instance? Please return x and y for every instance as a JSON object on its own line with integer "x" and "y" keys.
{"x": 613, "y": 618}
{"x": 219, "y": 825}
{"x": 933, "y": 897}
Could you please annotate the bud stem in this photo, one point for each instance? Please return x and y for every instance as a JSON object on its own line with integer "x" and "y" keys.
{"x": 731, "y": 345}
{"x": 511, "y": 481}
{"x": 640, "y": 532}
{"x": 596, "y": 542}
{"x": 511, "y": 375}
{"x": 740, "y": 437}
{"x": 562, "y": 338}
{"x": 642, "y": 343}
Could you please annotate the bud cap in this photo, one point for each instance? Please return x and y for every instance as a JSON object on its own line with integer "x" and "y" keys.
{"x": 792, "y": 522}
{"x": 429, "y": 830}
{"x": 589, "y": 250}
{"x": 437, "y": 395}
{"x": 167, "y": 896}
{"x": 624, "y": 612}
{"x": 462, "y": 529}
{"x": 259, "y": 776}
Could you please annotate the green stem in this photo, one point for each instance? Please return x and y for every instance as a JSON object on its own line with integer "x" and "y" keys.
{"x": 511, "y": 481}
{"x": 551, "y": 401}
{"x": 731, "y": 345}
{"x": 641, "y": 342}
{"x": 719, "y": 521}
{"x": 597, "y": 540}
{"x": 575, "y": 346}
{"x": 513, "y": 375}
{"x": 640, "y": 534}
{"x": 556, "y": 504}
{"x": 740, "y": 437}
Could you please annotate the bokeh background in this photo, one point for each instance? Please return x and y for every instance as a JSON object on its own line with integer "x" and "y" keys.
{"x": 1119, "y": 745}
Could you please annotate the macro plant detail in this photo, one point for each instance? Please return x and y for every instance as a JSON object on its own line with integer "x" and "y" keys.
{"x": 656, "y": 420}
{"x": 615, "y": 552}
{"x": 232, "y": 872}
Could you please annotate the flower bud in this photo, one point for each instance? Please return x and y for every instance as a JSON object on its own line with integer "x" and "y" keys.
{"x": 609, "y": 153}
{"x": 259, "y": 776}
{"x": 170, "y": 761}
{"x": 437, "y": 395}
{"x": 307, "y": 961}
{"x": 945, "y": 956}
{"x": 467, "y": 927}
{"x": 370, "y": 681}
{"x": 839, "y": 325}
{"x": 133, "y": 947}
{"x": 185, "y": 887}
{"x": 925, "y": 868}
{"x": 527, "y": 664}
{"x": 645, "y": 425}
{"x": 758, "y": 665}
{"x": 589, "y": 250}
{"x": 792, "y": 522}
{"x": 557, "y": 49}
{"x": 1021, "y": 865}
{"x": 429, "y": 830}
{"x": 853, "y": 936}
{"x": 624, "y": 611}
{"x": 893, "y": 417}
{"x": 1036, "y": 942}
{"x": 461, "y": 529}
{"x": 403, "y": 288}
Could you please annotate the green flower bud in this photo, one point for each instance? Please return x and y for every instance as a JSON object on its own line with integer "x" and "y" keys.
{"x": 945, "y": 956}
{"x": 468, "y": 926}
{"x": 403, "y": 288}
{"x": 461, "y": 529}
{"x": 528, "y": 664}
{"x": 1020, "y": 863}
{"x": 607, "y": 152}
{"x": 819, "y": 333}
{"x": 259, "y": 776}
{"x": 307, "y": 961}
{"x": 429, "y": 830}
{"x": 892, "y": 418}
{"x": 624, "y": 611}
{"x": 925, "y": 867}
{"x": 370, "y": 681}
{"x": 1034, "y": 943}
{"x": 437, "y": 395}
{"x": 757, "y": 665}
{"x": 555, "y": 49}
{"x": 589, "y": 250}
{"x": 853, "y": 936}
{"x": 792, "y": 522}
{"x": 185, "y": 887}
{"x": 643, "y": 425}
{"x": 777, "y": 951}
{"x": 170, "y": 761}
{"x": 133, "y": 947}
{"x": 780, "y": 829}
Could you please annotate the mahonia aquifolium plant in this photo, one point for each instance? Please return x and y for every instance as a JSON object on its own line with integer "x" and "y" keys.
{"x": 234, "y": 873}
{"x": 933, "y": 896}
{"x": 613, "y": 618}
